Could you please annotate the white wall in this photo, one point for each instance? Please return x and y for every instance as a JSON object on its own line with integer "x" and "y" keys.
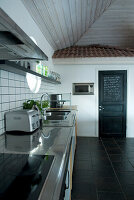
{"x": 88, "y": 105}
{"x": 17, "y": 11}
{"x": 14, "y": 91}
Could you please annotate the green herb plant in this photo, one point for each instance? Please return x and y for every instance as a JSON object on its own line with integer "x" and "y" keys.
{"x": 31, "y": 103}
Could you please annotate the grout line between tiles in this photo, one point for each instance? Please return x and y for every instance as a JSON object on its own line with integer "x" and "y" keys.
{"x": 114, "y": 170}
{"x": 122, "y": 152}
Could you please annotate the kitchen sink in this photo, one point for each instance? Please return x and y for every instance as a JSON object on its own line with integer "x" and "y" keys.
{"x": 54, "y": 112}
{"x": 57, "y": 115}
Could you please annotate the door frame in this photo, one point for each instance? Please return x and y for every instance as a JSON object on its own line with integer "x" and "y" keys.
{"x": 105, "y": 68}
{"x": 124, "y": 72}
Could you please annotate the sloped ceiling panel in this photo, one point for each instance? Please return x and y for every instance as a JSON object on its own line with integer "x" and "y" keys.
{"x": 63, "y": 22}
{"x": 115, "y": 27}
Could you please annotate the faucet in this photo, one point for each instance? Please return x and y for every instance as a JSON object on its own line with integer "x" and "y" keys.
{"x": 42, "y": 113}
{"x": 45, "y": 94}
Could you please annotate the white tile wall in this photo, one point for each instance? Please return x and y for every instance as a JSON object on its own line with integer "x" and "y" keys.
{"x": 14, "y": 91}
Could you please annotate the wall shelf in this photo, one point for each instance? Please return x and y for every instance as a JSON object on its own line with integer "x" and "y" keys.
{"x": 15, "y": 68}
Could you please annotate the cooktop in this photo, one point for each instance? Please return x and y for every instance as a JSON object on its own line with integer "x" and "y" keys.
{"x": 22, "y": 175}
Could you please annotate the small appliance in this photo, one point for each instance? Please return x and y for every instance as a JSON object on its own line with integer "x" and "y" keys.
{"x": 56, "y": 101}
{"x": 22, "y": 120}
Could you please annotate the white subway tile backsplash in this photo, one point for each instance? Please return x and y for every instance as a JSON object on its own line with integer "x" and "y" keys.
{"x": 4, "y": 74}
{"x": 1, "y": 131}
{"x": 18, "y": 104}
{"x": 14, "y": 91}
{"x": 1, "y": 124}
{"x": 17, "y": 84}
{"x": 18, "y": 97}
{"x": 12, "y": 105}
{"x": 0, "y": 116}
{"x": 22, "y": 78}
{"x": 22, "y": 90}
{"x": 0, "y": 96}
{"x": 5, "y": 98}
{"x": 27, "y": 90}
{"x": 4, "y": 82}
{"x": 11, "y": 83}
{"x": 4, "y": 90}
{"x": 22, "y": 84}
{"x": 18, "y": 90}
{"x": 5, "y": 107}
{"x": 11, "y": 75}
{"x": 23, "y": 96}
{"x": 17, "y": 77}
{"x": 12, "y": 98}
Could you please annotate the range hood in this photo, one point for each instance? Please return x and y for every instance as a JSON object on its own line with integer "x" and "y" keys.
{"x": 15, "y": 44}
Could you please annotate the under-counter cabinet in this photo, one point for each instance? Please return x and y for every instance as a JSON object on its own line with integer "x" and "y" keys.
{"x": 68, "y": 183}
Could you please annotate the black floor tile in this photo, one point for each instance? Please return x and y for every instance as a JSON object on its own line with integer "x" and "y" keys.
{"x": 81, "y": 176}
{"x": 83, "y": 165}
{"x": 110, "y": 196}
{"x": 114, "y": 151}
{"x": 104, "y": 170}
{"x": 108, "y": 184}
{"x": 126, "y": 178}
{"x": 118, "y": 158}
{"x": 124, "y": 166}
{"x": 82, "y": 150}
{"x": 99, "y": 154}
{"x": 110, "y": 145}
{"x": 99, "y": 162}
{"x": 131, "y": 162}
{"x": 82, "y": 156}
{"x": 103, "y": 167}
{"x": 129, "y": 191}
{"x": 80, "y": 198}
{"x": 83, "y": 191}
{"x": 104, "y": 174}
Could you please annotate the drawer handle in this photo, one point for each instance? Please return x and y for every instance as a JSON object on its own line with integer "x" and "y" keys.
{"x": 67, "y": 186}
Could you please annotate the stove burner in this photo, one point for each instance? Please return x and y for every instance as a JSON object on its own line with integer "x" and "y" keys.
{"x": 26, "y": 180}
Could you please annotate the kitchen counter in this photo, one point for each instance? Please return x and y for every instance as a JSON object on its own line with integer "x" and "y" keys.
{"x": 73, "y": 107}
{"x": 48, "y": 140}
{"x": 68, "y": 122}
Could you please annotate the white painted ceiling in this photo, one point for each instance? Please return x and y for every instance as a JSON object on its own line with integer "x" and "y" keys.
{"x": 83, "y": 22}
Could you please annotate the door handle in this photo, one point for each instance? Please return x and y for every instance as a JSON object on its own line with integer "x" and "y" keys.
{"x": 101, "y": 108}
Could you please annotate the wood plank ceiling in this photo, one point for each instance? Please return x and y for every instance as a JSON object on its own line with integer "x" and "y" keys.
{"x": 83, "y": 22}
{"x": 114, "y": 28}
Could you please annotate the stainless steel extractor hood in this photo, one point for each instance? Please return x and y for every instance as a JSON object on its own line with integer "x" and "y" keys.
{"x": 15, "y": 44}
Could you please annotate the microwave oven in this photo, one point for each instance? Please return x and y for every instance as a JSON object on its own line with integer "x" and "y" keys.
{"x": 83, "y": 88}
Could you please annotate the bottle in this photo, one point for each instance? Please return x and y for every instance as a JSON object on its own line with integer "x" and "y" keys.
{"x": 39, "y": 67}
{"x": 43, "y": 70}
{"x": 46, "y": 71}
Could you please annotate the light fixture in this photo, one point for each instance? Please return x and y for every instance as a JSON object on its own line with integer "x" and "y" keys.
{"x": 34, "y": 82}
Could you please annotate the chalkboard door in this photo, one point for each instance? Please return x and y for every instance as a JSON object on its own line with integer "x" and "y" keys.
{"x": 112, "y": 103}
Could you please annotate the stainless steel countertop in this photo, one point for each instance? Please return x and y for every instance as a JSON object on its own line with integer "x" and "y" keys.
{"x": 50, "y": 140}
{"x": 69, "y": 121}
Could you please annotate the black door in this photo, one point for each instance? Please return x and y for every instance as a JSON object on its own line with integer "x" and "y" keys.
{"x": 112, "y": 103}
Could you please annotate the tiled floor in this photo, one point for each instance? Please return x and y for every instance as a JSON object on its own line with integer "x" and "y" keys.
{"x": 103, "y": 169}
